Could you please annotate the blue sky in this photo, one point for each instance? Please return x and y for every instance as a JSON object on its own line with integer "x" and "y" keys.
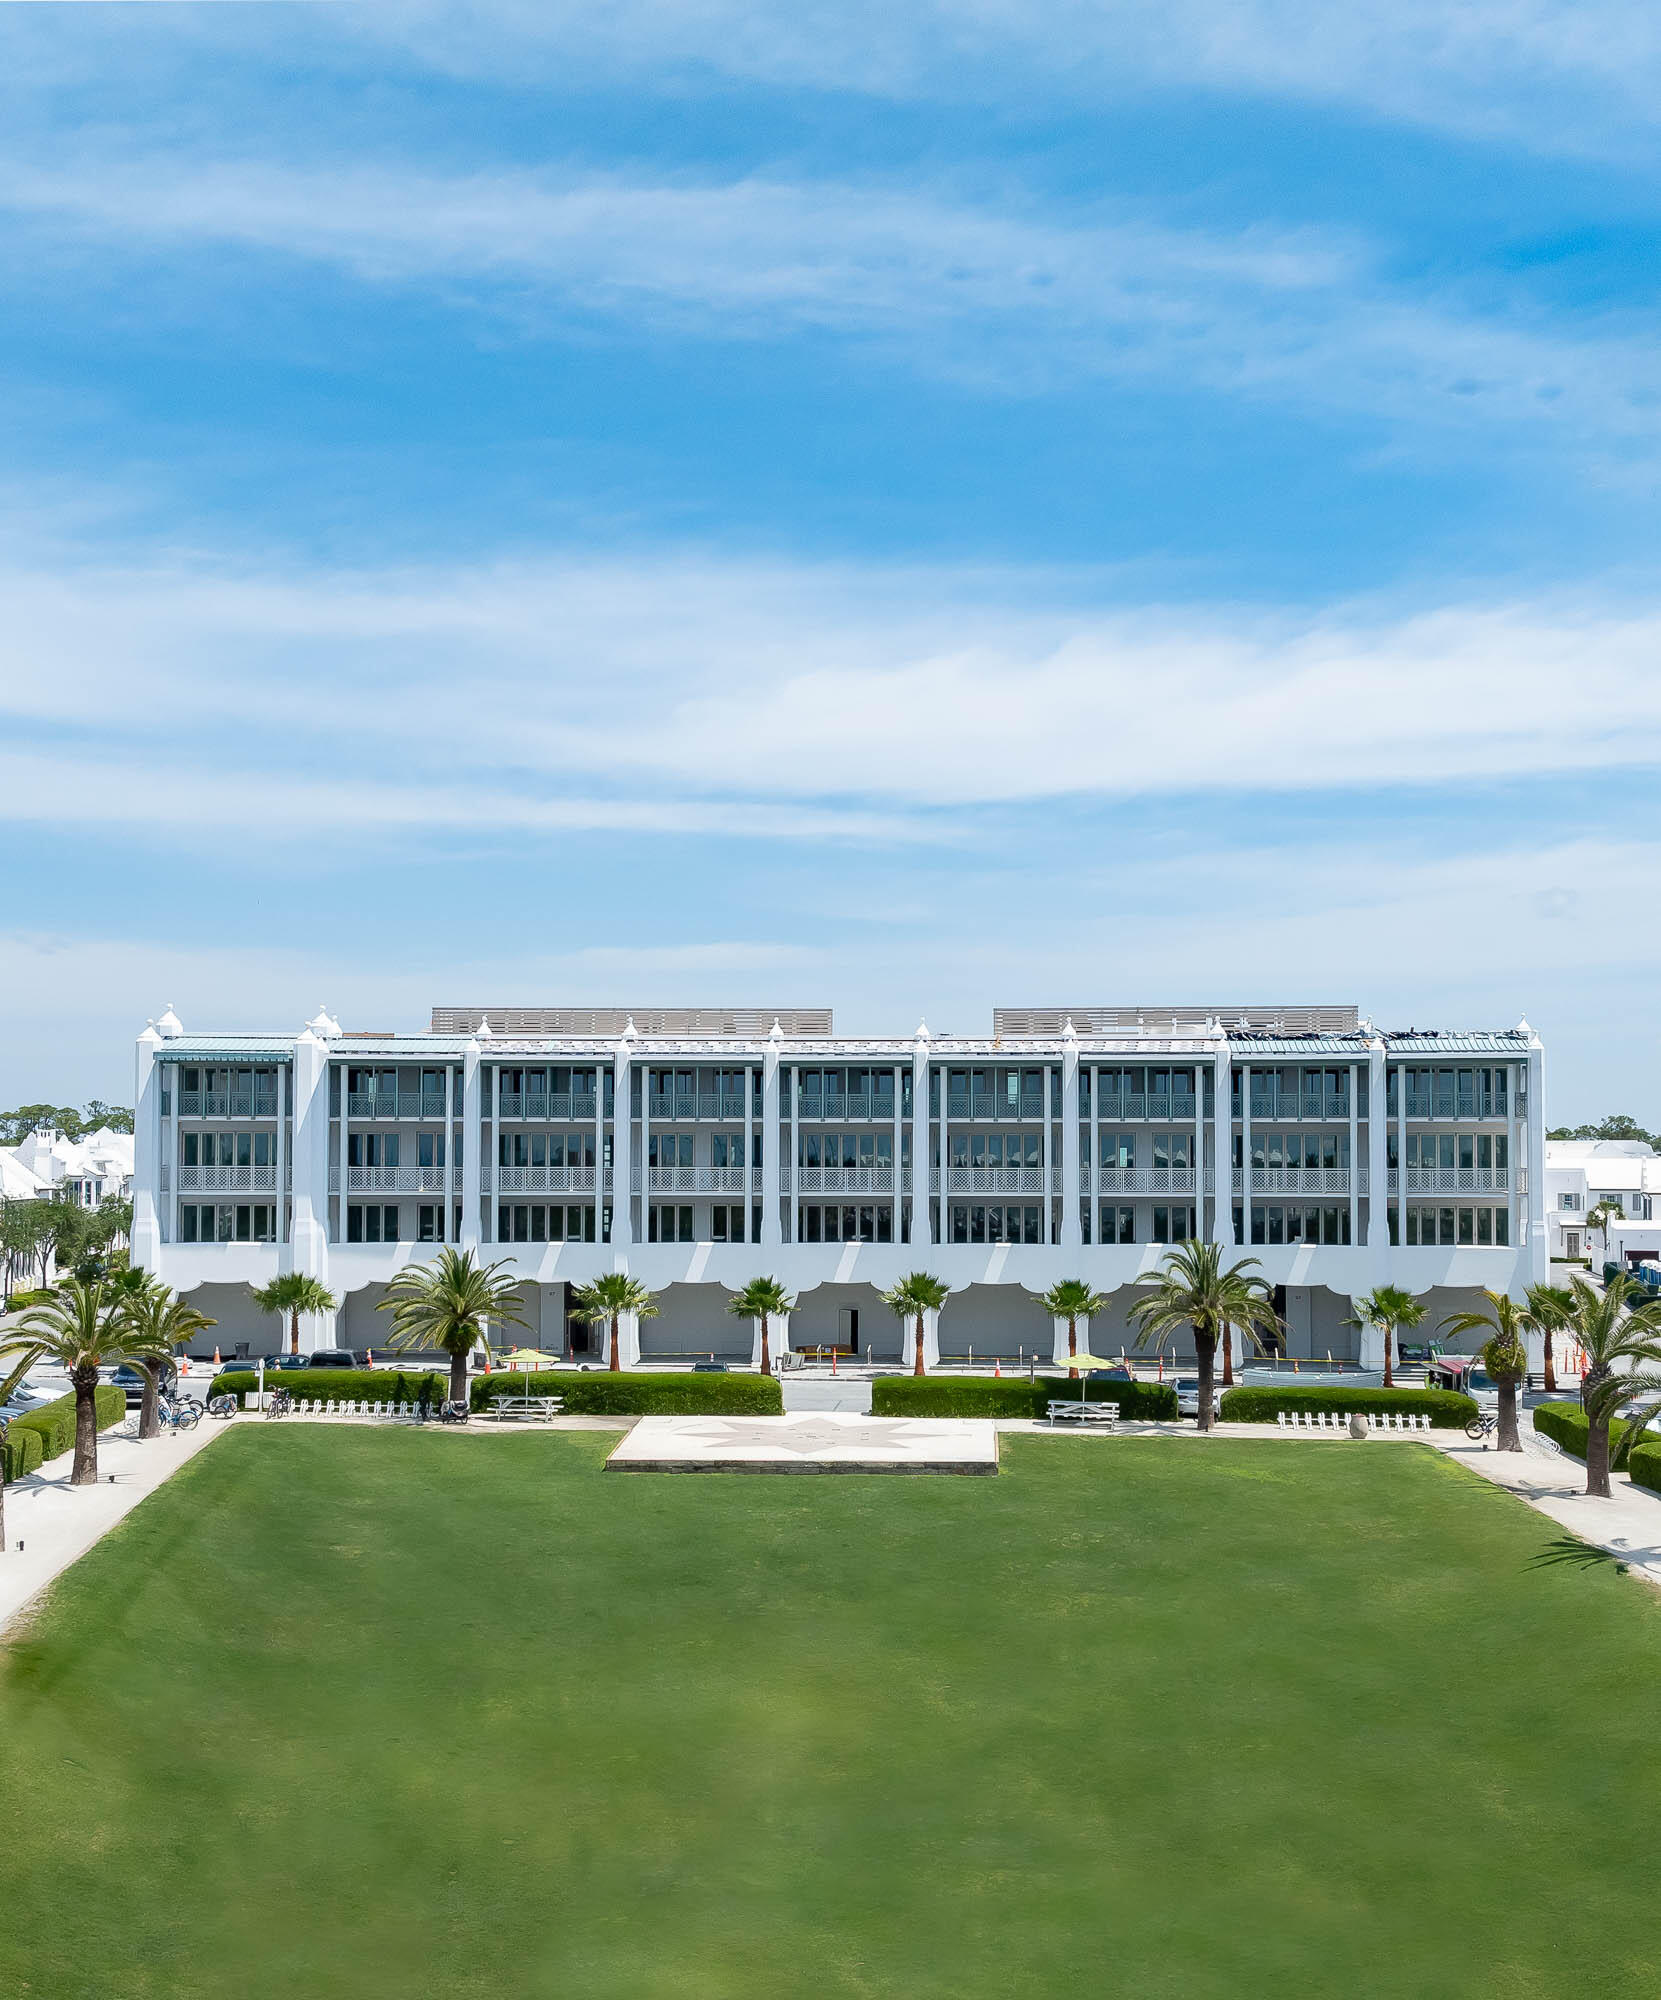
{"x": 900, "y": 507}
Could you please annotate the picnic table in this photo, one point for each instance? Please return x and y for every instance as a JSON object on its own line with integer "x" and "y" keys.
{"x": 525, "y": 1409}
{"x": 1069, "y": 1410}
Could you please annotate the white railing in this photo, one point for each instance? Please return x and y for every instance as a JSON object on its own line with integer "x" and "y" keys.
{"x": 396, "y": 1104}
{"x": 551, "y": 1106}
{"x": 226, "y": 1104}
{"x": 1303, "y": 1180}
{"x": 847, "y": 1180}
{"x": 227, "y": 1180}
{"x": 540, "y": 1180}
{"x": 989, "y": 1180}
{"x": 857, "y": 1104}
{"x": 667, "y": 1107}
{"x": 692, "y": 1180}
{"x": 1138, "y": 1180}
{"x": 1454, "y": 1180}
{"x": 394, "y": 1180}
{"x": 988, "y": 1104}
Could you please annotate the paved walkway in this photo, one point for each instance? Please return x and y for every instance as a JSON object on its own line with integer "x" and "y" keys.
{"x": 56, "y": 1522}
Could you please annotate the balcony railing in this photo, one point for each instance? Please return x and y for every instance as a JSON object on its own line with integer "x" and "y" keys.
{"x": 1448, "y": 1104}
{"x": 1302, "y": 1180}
{"x": 539, "y": 1180}
{"x": 1329, "y": 1107}
{"x": 992, "y": 1104}
{"x": 989, "y": 1180}
{"x": 1139, "y": 1180}
{"x": 665, "y": 1107}
{"x": 225, "y": 1180}
{"x": 395, "y": 1180}
{"x": 1454, "y": 1180}
{"x": 692, "y": 1180}
{"x": 846, "y": 1104}
{"x": 227, "y": 1104}
{"x": 550, "y": 1106}
{"x": 874, "y": 1179}
{"x": 396, "y": 1104}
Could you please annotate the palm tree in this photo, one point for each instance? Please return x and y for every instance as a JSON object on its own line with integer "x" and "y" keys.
{"x": 1191, "y": 1289}
{"x": 914, "y": 1295}
{"x": 1389, "y": 1308}
{"x": 605, "y": 1299}
{"x": 83, "y": 1327}
{"x": 1072, "y": 1299}
{"x": 1609, "y": 1333}
{"x": 1502, "y": 1353}
{"x": 761, "y": 1299}
{"x": 1550, "y": 1308}
{"x": 1601, "y": 1218}
{"x": 167, "y": 1323}
{"x": 294, "y": 1293}
{"x": 446, "y": 1304}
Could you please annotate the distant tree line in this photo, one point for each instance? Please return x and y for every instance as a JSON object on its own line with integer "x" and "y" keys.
{"x": 17, "y": 1125}
{"x": 1616, "y": 1126}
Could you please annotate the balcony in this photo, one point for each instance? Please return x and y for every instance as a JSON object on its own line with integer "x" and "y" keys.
{"x": 397, "y": 1104}
{"x": 664, "y": 1108}
{"x": 1449, "y": 1104}
{"x": 989, "y": 1180}
{"x": 1302, "y": 1180}
{"x": 1139, "y": 1180}
{"x": 990, "y": 1104}
{"x": 874, "y": 1179}
{"x": 225, "y": 1180}
{"x": 692, "y": 1180}
{"x": 854, "y": 1104}
{"x": 550, "y": 1106}
{"x": 227, "y": 1104}
{"x": 395, "y": 1180}
{"x": 1329, "y": 1108}
{"x": 1454, "y": 1180}
{"x": 539, "y": 1180}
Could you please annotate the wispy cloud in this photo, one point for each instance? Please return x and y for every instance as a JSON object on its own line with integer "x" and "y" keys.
{"x": 1006, "y": 292}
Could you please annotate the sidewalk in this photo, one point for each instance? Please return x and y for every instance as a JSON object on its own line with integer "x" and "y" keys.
{"x": 57, "y": 1522}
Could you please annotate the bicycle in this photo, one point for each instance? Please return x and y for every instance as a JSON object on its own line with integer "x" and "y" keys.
{"x": 1482, "y": 1425}
{"x": 221, "y": 1407}
{"x": 279, "y": 1403}
{"x": 179, "y": 1414}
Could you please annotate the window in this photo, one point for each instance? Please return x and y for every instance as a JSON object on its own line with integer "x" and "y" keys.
{"x": 1571, "y": 1202}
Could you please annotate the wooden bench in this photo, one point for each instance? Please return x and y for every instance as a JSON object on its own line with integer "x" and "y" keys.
{"x": 1071, "y": 1411}
{"x": 524, "y": 1409}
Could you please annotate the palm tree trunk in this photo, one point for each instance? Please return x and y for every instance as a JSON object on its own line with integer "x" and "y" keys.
{"x": 1551, "y": 1372}
{"x": 917, "y": 1367}
{"x": 1228, "y": 1357}
{"x": 1072, "y": 1346}
{"x": 149, "y": 1414}
{"x": 1205, "y": 1352}
{"x": 1508, "y": 1438}
{"x": 1597, "y": 1461}
{"x": 1389, "y": 1354}
{"x": 766, "y": 1358}
{"x": 616, "y": 1358}
{"x": 85, "y": 1472}
{"x": 458, "y": 1375}
{"x": 294, "y": 1330}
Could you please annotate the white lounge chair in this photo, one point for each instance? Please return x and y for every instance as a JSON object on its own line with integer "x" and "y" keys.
{"x": 1280, "y": 1418}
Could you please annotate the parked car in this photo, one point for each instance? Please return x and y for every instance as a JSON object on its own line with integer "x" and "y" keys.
{"x": 333, "y": 1357}
{"x": 1119, "y": 1372}
{"x": 24, "y": 1398}
{"x": 1188, "y": 1395}
{"x": 133, "y": 1381}
{"x": 288, "y": 1361}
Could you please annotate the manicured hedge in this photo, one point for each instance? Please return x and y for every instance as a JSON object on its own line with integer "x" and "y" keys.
{"x": 625, "y": 1394}
{"x": 1447, "y": 1408}
{"x": 21, "y": 1453}
{"x": 336, "y": 1385}
{"x": 1565, "y": 1424}
{"x": 54, "y": 1424}
{"x": 1013, "y": 1396}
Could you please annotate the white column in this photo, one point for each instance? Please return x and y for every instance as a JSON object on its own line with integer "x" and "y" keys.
{"x": 1199, "y": 1154}
{"x": 921, "y": 1207}
{"x": 1222, "y": 1169}
{"x": 284, "y": 1092}
{"x": 945, "y": 1150}
{"x": 309, "y": 1235}
{"x": 1044, "y": 1156}
{"x": 622, "y": 1148}
{"x": 447, "y": 1213}
{"x": 472, "y": 1143}
{"x": 600, "y": 1161}
{"x": 344, "y": 1074}
{"x": 1401, "y": 1153}
{"x": 1537, "y": 1256}
{"x": 770, "y": 1140}
{"x": 1355, "y": 1163}
{"x": 796, "y": 1150}
{"x": 1071, "y": 1233}
{"x": 899, "y": 1175}
{"x": 645, "y": 1234}
{"x": 492, "y": 1207}
{"x": 1081, "y": 1333}
{"x": 1093, "y": 1177}
{"x": 153, "y": 1144}
{"x": 1378, "y": 1162}
{"x": 1246, "y": 1154}
{"x": 749, "y": 1154}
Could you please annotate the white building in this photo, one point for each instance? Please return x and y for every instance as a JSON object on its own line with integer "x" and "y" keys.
{"x": 699, "y": 1147}
{"x": 1581, "y": 1174}
{"x": 98, "y": 1167}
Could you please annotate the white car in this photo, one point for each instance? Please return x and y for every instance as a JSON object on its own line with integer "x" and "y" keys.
{"x": 24, "y": 1398}
{"x": 1188, "y": 1395}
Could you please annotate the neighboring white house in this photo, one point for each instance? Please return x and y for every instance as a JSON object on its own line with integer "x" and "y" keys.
{"x": 697, "y": 1147}
{"x": 1581, "y": 1173}
{"x": 90, "y": 1170}
{"x": 18, "y": 1182}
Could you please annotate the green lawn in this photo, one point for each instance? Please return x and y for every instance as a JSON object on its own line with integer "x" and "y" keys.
{"x": 348, "y": 1713}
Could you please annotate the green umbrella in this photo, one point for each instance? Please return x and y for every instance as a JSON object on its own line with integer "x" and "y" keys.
{"x": 1084, "y": 1363}
{"x": 529, "y": 1359}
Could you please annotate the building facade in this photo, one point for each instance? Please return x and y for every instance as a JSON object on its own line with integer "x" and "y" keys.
{"x": 699, "y": 1147}
{"x": 1583, "y": 1175}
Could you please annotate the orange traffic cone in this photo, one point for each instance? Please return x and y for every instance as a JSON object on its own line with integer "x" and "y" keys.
{"x": 216, "y": 1357}
{"x": 997, "y": 1368}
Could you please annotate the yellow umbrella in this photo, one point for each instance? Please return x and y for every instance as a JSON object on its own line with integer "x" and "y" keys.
{"x": 530, "y": 1359}
{"x": 1084, "y": 1363}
